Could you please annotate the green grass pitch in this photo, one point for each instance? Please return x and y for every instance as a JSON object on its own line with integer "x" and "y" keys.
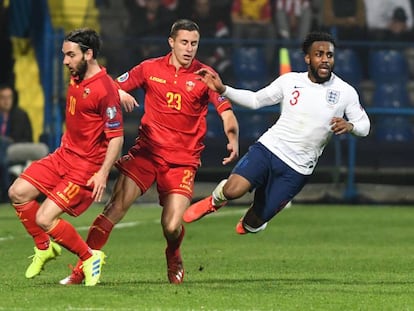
{"x": 310, "y": 257}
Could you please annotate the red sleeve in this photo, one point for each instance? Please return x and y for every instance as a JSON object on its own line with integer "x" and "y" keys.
{"x": 132, "y": 79}
{"x": 220, "y": 102}
{"x": 112, "y": 113}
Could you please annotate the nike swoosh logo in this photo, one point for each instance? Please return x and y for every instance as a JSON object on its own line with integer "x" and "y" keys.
{"x": 298, "y": 87}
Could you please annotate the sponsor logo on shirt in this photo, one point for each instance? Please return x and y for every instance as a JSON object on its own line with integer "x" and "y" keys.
{"x": 159, "y": 80}
{"x": 332, "y": 97}
{"x": 111, "y": 112}
{"x": 189, "y": 85}
{"x": 123, "y": 77}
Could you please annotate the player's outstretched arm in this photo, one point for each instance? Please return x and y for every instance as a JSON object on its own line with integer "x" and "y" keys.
{"x": 128, "y": 101}
{"x": 212, "y": 80}
{"x": 231, "y": 129}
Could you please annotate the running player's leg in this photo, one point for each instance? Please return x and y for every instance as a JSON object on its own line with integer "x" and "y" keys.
{"x": 281, "y": 185}
{"x": 23, "y": 196}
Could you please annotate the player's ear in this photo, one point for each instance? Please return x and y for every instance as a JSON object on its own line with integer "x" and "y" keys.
{"x": 171, "y": 42}
{"x": 307, "y": 59}
{"x": 88, "y": 54}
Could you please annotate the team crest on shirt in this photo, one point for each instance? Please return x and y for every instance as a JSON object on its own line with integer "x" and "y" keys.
{"x": 86, "y": 92}
{"x": 189, "y": 85}
{"x": 123, "y": 77}
{"x": 111, "y": 112}
{"x": 332, "y": 97}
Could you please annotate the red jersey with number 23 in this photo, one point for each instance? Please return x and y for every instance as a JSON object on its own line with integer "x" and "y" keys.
{"x": 176, "y": 104}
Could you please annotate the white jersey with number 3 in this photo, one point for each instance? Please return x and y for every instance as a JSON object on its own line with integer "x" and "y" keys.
{"x": 303, "y": 129}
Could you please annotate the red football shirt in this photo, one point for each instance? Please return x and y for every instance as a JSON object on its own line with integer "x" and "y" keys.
{"x": 93, "y": 116}
{"x": 176, "y": 104}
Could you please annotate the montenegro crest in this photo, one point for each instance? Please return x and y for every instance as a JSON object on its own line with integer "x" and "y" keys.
{"x": 189, "y": 85}
{"x": 86, "y": 92}
{"x": 332, "y": 97}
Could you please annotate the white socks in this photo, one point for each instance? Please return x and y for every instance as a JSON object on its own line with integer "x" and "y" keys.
{"x": 218, "y": 197}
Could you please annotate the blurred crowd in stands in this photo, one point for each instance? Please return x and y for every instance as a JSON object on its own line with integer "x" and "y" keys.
{"x": 122, "y": 22}
{"x": 238, "y": 20}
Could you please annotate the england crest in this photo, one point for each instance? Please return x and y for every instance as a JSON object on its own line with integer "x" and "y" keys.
{"x": 332, "y": 97}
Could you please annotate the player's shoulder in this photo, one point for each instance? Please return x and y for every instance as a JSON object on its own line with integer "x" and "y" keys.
{"x": 291, "y": 78}
{"x": 341, "y": 83}
{"x": 151, "y": 62}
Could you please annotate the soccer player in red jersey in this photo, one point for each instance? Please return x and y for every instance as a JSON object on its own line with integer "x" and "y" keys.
{"x": 170, "y": 141}
{"x": 75, "y": 174}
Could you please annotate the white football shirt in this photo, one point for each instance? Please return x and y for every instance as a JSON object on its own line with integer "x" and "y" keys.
{"x": 303, "y": 129}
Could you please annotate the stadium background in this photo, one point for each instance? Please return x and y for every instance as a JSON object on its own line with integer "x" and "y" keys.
{"x": 377, "y": 169}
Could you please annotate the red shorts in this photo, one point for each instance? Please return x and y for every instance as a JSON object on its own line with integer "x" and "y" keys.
{"x": 145, "y": 168}
{"x": 62, "y": 182}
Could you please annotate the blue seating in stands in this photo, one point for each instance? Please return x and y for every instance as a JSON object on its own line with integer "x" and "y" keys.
{"x": 348, "y": 66}
{"x": 214, "y": 125}
{"x": 388, "y": 66}
{"x": 250, "y": 68}
{"x": 253, "y": 124}
{"x": 391, "y": 95}
{"x": 297, "y": 61}
{"x": 394, "y": 129}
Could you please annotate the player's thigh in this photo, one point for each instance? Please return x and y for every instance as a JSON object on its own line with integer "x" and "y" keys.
{"x": 124, "y": 194}
{"x": 139, "y": 167}
{"x": 173, "y": 179}
{"x": 251, "y": 171}
{"x": 281, "y": 188}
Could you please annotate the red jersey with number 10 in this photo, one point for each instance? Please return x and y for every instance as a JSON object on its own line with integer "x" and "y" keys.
{"x": 93, "y": 117}
{"x": 176, "y": 104}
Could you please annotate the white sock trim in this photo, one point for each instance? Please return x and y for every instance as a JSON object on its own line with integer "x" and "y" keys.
{"x": 217, "y": 195}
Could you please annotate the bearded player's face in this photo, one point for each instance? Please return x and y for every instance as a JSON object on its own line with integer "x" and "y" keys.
{"x": 74, "y": 59}
{"x": 320, "y": 60}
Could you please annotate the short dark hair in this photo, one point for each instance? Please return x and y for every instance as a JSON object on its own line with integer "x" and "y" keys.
{"x": 183, "y": 24}
{"x": 87, "y": 39}
{"x": 316, "y": 36}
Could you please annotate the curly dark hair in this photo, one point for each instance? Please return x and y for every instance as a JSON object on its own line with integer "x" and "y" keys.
{"x": 316, "y": 36}
{"x": 87, "y": 39}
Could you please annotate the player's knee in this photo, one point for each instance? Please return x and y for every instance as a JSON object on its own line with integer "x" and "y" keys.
{"x": 16, "y": 195}
{"x": 171, "y": 228}
{"x": 115, "y": 211}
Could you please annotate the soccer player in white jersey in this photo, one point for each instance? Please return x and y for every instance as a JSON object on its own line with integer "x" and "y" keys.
{"x": 314, "y": 105}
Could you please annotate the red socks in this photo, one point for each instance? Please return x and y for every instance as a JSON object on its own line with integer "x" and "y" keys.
{"x": 27, "y": 215}
{"x": 67, "y": 236}
{"x": 99, "y": 232}
{"x": 174, "y": 246}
